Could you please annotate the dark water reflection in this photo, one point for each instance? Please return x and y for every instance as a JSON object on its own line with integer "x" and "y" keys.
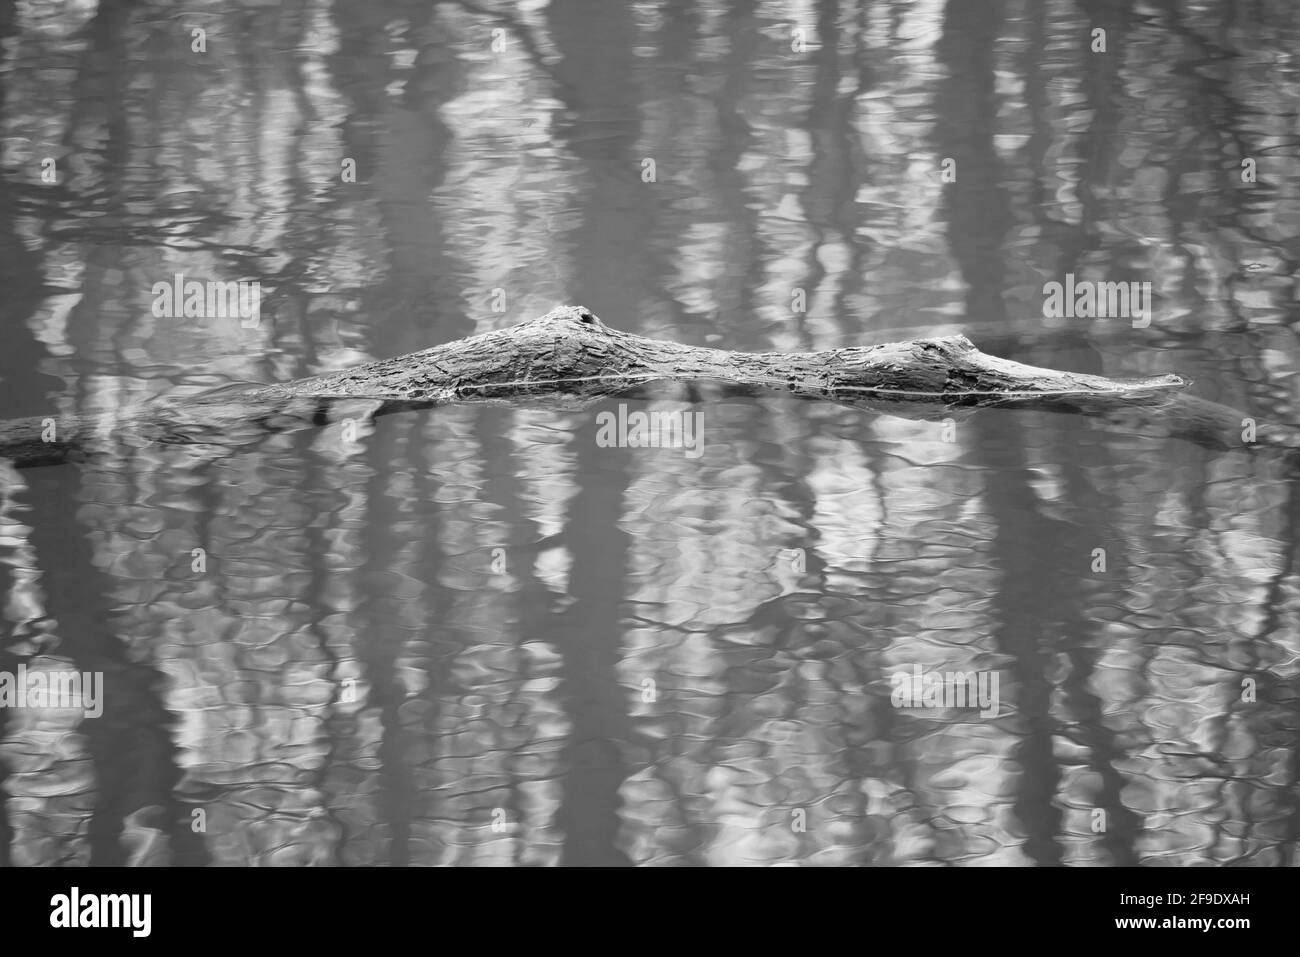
{"x": 478, "y": 616}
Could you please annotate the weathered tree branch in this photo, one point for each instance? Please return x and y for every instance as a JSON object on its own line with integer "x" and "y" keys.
{"x": 570, "y": 355}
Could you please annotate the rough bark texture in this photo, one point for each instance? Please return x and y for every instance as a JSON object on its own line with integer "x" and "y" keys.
{"x": 570, "y": 354}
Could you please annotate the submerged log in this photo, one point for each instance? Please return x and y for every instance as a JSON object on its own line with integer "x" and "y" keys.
{"x": 572, "y": 357}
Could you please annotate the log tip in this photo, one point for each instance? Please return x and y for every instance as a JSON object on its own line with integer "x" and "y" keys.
{"x": 1158, "y": 382}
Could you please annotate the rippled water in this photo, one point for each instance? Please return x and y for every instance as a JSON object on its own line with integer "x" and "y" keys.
{"x": 476, "y": 636}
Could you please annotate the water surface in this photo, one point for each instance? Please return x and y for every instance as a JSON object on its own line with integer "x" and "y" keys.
{"x": 476, "y": 636}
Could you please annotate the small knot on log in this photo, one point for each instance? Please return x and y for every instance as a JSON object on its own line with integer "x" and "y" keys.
{"x": 954, "y": 345}
{"x": 574, "y": 314}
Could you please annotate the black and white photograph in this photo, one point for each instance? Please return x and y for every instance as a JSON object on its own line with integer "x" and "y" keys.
{"x": 651, "y": 433}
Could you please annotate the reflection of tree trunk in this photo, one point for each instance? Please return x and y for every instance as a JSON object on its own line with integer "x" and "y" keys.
{"x": 744, "y": 256}
{"x": 1278, "y": 705}
{"x": 1102, "y": 82}
{"x": 130, "y": 745}
{"x": 20, "y": 273}
{"x": 587, "y": 633}
{"x": 379, "y": 645}
{"x": 1041, "y": 604}
{"x": 830, "y": 196}
{"x": 1079, "y": 637}
{"x": 977, "y": 222}
{"x": 406, "y": 147}
{"x": 612, "y": 263}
